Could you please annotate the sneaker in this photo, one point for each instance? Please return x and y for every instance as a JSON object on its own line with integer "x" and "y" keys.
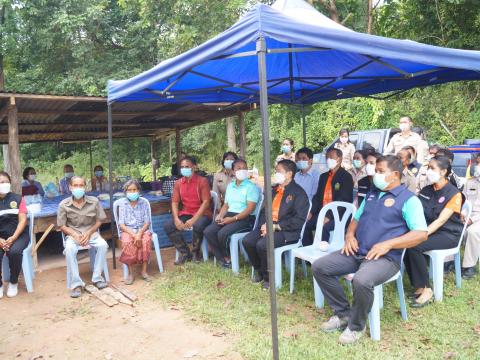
{"x": 183, "y": 259}
{"x": 1, "y": 292}
{"x": 76, "y": 293}
{"x": 101, "y": 285}
{"x": 469, "y": 273}
{"x": 349, "y": 336}
{"x": 12, "y": 290}
{"x": 266, "y": 285}
{"x": 334, "y": 323}
{"x": 257, "y": 278}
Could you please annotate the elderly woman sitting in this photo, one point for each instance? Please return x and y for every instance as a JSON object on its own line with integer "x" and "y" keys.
{"x": 134, "y": 222}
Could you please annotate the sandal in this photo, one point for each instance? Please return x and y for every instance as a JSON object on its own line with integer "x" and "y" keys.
{"x": 146, "y": 278}
{"x": 423, "y": 300}
{"x": 129, "y": 280}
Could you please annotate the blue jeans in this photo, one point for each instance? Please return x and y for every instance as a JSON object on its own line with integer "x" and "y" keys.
{"x": 71, "y": 250}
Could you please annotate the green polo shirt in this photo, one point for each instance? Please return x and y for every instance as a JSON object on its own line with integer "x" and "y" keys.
{"x": 238, "y": 197}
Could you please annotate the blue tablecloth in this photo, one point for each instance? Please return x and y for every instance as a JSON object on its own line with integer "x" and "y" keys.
{"x": 50, "y": 206}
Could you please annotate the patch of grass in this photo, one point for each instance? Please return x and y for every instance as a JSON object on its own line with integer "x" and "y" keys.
{"x": 234, "y": 304}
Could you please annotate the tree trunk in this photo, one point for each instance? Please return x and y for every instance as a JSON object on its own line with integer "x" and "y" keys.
{"x": 369, "y": 16}
{"x": 243, "y": 138}
{"x": 231, "y": 140}
{"x": 14, "y": 147}
{"x": 331, "y": 6}
{"x": 6, "y": 161}
{"x": 2, "y": 22}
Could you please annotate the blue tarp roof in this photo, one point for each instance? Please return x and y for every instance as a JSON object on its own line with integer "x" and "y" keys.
{"x": 329, "y": 62}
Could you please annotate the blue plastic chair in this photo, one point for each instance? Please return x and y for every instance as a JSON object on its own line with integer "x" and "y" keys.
{"x": 204, "y": 244}
{"x": 312, "y": 252}
{"x": 156, "y": 245}
{"x": 236, "y": 239}
{"x": 27, "y": 261}
{"x": 91, "y": 252}
{"x": 437, "y": 259}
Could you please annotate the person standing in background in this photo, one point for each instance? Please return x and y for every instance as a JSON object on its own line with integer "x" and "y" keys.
{"x": 64, "y": 183}
{"x": 422, "y": 147}
{"x": 404, "y": 138}
{"x": 347, "y": 148}
{"x": 224, "y": 176}
{"x": 288, "y": 152}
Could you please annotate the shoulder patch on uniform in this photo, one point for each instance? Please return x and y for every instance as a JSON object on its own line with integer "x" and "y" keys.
{"x": 13, "y": 205}
{"x": 414, "y": 170}
{"x": 337, "y": 186}
{"x": 289, "y": 198}
{"x": 389, "y": 202}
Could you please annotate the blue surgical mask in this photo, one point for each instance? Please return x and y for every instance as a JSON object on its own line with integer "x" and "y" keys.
{"x": 357, "y": 164}
{"x": 286, "y": 149}
{"x": 78, "y": 193}
{"x": 133, "y": 196}
{"x": 187, "y": 172}
{"x": 99, "y": 173}
{"x": 302, "y": 164}
{"x": 69, "y": 175}
{"x": 227, "y": 164}
{"x": 379, "y": 181}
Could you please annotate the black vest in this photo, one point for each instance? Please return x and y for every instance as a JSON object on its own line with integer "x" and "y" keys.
{"x": 364, "y": 186}
{"x": 9, "y": 206}
{"x": 434, "y": 202}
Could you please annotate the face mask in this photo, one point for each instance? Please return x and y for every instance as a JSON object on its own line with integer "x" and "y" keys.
{"x": 476, "y": 171}
{"x": 31, "y": 177}
{"x": 343, "y": 140}
{"x": 357, "y": 164}
{"x": 227, "y": 164}
{"x": 78, "y": 193}
{"x": 380, "y": 182}
{"x": 133, "y": 196}
{"x": 286, "y": 149}
{"x": 370, "y": 169}
{"x": 279, "y": 178}
{"x": 98, "y": 173}
{"x": 404, "y": 127}
{"x": 241, "y": 174}
{"x": 433, "y": 176}
{"x": 331, "y": 163}
{"x": 5, "y": 188}
{"x": 302, "y": 165}
{"x": 69, "y": 175}
{"x": 187, "y": 172}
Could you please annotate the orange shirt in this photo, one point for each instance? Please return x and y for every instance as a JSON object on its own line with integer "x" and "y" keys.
{"x": 276, "y": 203}
{"x": 327, "y": 194}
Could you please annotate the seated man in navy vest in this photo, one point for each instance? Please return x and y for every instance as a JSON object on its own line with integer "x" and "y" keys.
{"x": 390, "y": 219}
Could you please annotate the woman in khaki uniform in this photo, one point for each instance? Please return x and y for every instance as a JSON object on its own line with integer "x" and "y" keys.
{"x": 347, "y": 148}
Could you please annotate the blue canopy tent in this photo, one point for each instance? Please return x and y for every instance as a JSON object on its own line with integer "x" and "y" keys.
{"x": 290, "y": 53}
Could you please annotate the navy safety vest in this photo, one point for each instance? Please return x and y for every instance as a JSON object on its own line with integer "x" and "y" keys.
{"x": 382, "y": 220}
{"x": 434, "y": 202}
{"x": 9, "y": 206}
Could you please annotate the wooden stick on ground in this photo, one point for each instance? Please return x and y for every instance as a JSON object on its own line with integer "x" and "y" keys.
{"x": 103, "y": 297}
{"x": 128, "y": 294}
{"x": 42, "y": 239}
{"x": 117, "y": 295}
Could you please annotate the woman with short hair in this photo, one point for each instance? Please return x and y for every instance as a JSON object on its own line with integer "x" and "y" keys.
{"x": 225, "y": 175}
{"x": 134, "y": 223}
{"x": 100, "y": 183}
{"x": 348, "y": 149}
{"x": 29, "y": 184}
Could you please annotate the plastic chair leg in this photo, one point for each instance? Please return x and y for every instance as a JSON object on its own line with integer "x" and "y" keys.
{"x": 437, "y": 277}
{"x": 292, "y": 272}
{"x": 158, "y": 254}
{"x": 125, "y": 271}
{"x": 287, "y": 260}
{"x": 234, "y": 255}
{"x": 177, "y": 255}
{"x": 458, "y": 271}
{"x": 319, "y": 298}
{"x": 278, "y": 269}
{"x": 205, "y": 249}
{"x": 380, "y": 300}
{"x": 374, "y": 316}
{"x": 401, "y": 298}
{"x": 304, "y": 267}
{"x": 27, "y": 273}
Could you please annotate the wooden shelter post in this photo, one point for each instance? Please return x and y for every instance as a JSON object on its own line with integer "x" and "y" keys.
{"x": 178, "y": 146}
{"x": 13, "y": 146}
{"x": 153, "y": 151}
{"x": 243, "y": 138}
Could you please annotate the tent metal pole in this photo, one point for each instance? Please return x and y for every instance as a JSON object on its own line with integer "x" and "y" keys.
{"x": 110, "y": 182}
{"x": 262, "y": 75}
{"x": 304, "y": 126}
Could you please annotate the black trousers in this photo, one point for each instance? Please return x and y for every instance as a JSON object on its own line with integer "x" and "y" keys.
{"x": 311, "y": 226}
{"x": 416, "y": 263}
{"x": 256, "y": 247}
{"x": 15, "y": 256}
{"x": 368, "y": 274}
{"x": 176, "y": 236}
{"x": 217, "y": 235}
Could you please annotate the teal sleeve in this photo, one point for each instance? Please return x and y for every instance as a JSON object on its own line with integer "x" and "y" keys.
{"x": 253, "y": 194}
{"x": 359, "y": 211}
{"x": 412, "y": 212}
{"x": 226, "y": 200}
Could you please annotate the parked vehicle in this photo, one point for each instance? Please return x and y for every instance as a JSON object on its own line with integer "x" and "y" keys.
{"x": 464, "y": 155}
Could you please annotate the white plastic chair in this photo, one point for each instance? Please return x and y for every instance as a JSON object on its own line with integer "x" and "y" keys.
{"x": 204, "y": 244}
{"x": 312, "y": 252}
{"x": 236, "y": 239}
{"x": 27, "y": 261}
{"x": 91, "y": 252}
{"x": 437, "y": 259}
{"x": 156, "y": 245}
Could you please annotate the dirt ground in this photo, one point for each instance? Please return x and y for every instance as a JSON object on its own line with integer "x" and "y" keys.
{"x": 48, "y": 324}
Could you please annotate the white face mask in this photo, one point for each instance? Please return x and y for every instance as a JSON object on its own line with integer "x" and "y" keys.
{"x": 31, "y": 177}
{"x": 241, "y": 174}
{"x": 5, "y": 188}
{"x": 278, "y": 178}
{"x": 433, "y": 176}
{"x": 331, "y": 163}
{"x": 370, "y": 169}
{"x": 344, "y": 140}
{"x": 404, "y": 127}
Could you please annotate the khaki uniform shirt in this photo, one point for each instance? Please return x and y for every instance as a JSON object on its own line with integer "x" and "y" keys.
{"x": 357, "y": 174}
{"x": 409, "y": 180}
{"x": 80, "y": 219}
{"x": 398, "y": 141}
{"x": 422, "y": 179}
{"x": 471, "y": 190}
{"x": 422, "y": 152}
{"x": 348, "y": 150}
{"x": 220, "y": 182}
